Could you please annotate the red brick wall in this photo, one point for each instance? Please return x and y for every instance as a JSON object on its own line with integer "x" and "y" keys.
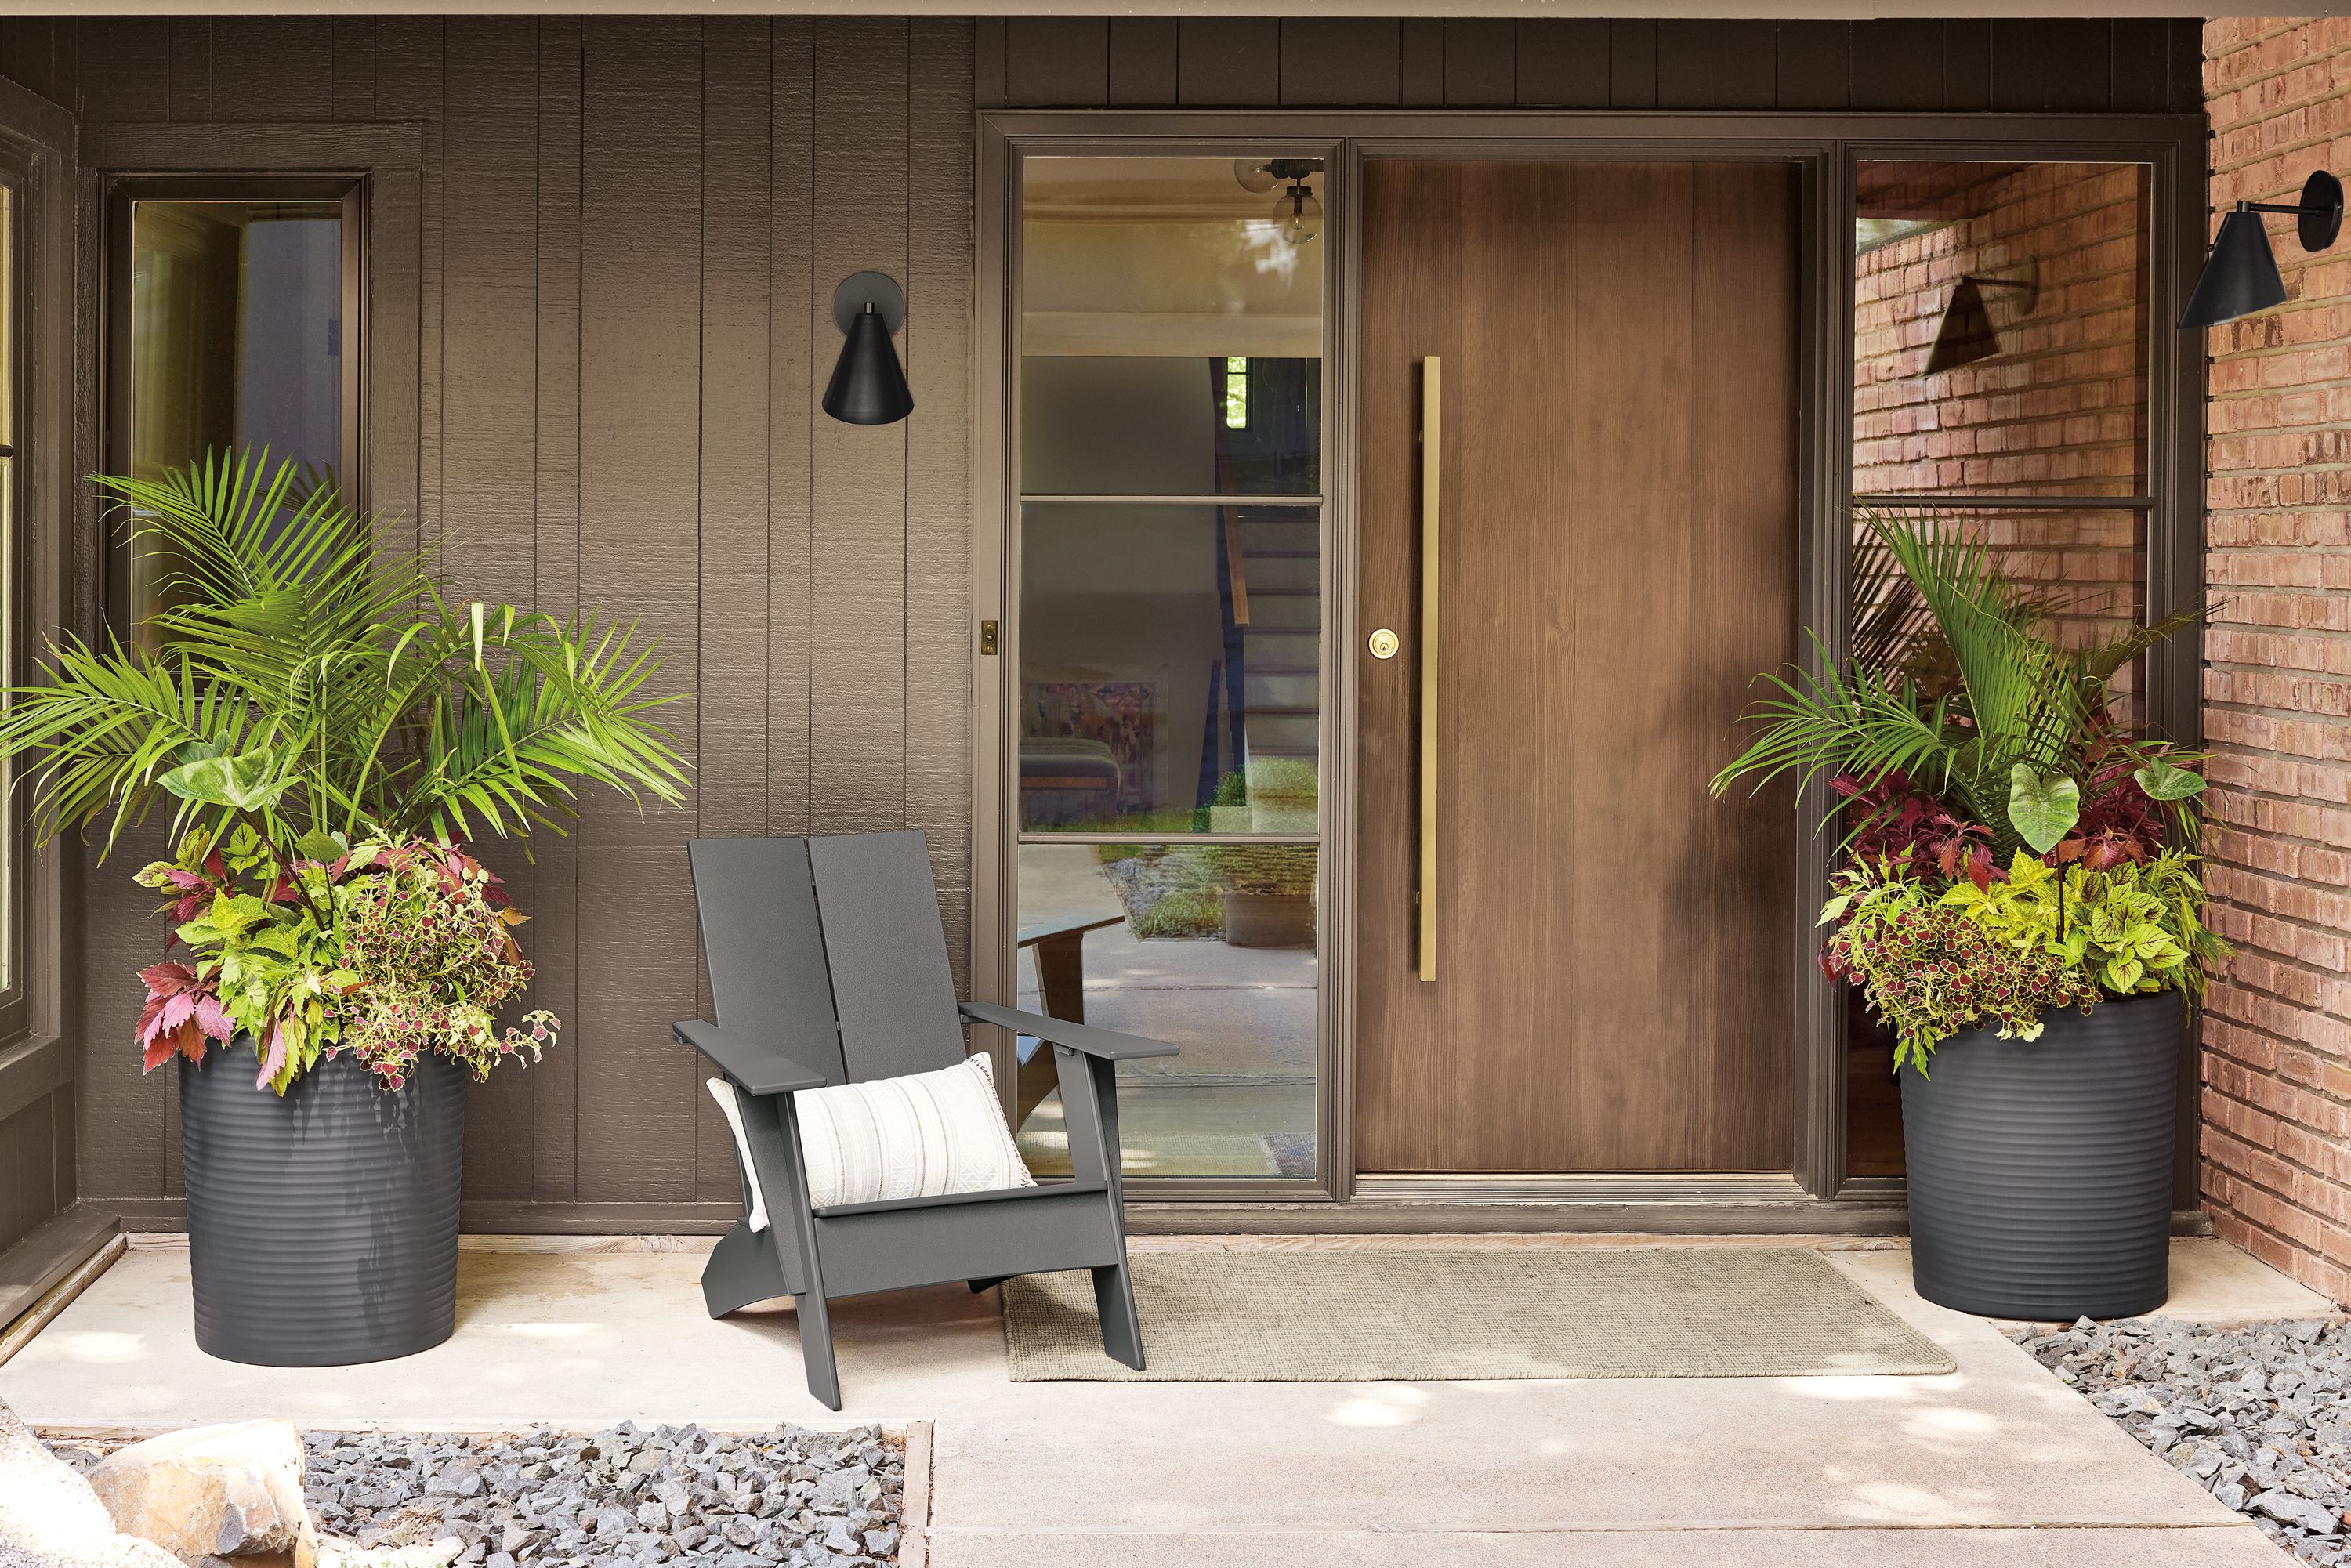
{"x": 2060, "y": 409}
{"x": 2277, "y": 1037}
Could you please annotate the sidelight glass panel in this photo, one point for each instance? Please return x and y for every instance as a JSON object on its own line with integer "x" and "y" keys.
{"x": 9, "y": 469}
{"x": 1168, "y": 690}
{"x": 1209, "y": 946}
{"x": 1169, "y": 672}
{"x": 236, "y": 340}
{"x": 2000, "y": 328}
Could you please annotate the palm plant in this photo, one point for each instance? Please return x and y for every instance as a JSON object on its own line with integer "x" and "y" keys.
{"x": 317, "y": 689}
{"x": 1957, "y": 689}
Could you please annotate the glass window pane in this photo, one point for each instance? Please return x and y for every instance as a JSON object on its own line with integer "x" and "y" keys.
{"x": 1209, "y": 946}
{"x": 236, "y": 340}
{"x": 1169, "y": 667}
{"x": 8, "y": 472}
{"x": 1146, "y": 282}
{"x": 2000, "y": 328}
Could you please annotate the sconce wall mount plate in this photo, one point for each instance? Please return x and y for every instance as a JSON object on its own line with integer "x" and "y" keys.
{"x": 878, "y": 290}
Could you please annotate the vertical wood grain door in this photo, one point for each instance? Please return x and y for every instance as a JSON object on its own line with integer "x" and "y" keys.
{"x": 1617, "y": 446}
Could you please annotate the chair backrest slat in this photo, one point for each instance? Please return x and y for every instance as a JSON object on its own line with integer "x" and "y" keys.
{"x": 765, "y": 946}
{"x": 891, "y": 983}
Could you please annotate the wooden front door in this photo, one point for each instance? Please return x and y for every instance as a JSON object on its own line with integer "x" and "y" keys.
{"x": 1617, "y": 443}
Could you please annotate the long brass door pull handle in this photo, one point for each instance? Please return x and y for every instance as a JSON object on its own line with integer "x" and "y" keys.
{"x": 1431, "y": 424}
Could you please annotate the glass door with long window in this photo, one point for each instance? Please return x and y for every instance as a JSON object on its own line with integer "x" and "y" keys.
{"x": 1168, "y": 711}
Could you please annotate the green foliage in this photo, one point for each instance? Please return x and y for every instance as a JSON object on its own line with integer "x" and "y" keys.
{"x": 329, "y": 727}
{"x": 1935, "y": 958}
{"x": 1930, "y": 971}
{"x": 2042, "y": 809}
{"x": 2134, "y": 928}
{"x": 388, "y": 951}
{"x": 308, "y": 683}
{"x": 2012, "y": 698}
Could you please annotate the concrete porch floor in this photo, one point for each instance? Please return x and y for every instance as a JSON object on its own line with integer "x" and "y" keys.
{"x": 1994, "y": 1464}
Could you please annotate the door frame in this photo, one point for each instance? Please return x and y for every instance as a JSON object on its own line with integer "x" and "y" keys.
{"x": 1824, "y": 147}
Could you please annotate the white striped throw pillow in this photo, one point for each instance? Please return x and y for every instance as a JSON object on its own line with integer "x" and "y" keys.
{"x": 923, "y": 1136}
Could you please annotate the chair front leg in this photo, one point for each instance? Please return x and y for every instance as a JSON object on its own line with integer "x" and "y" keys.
{"x": 815, "y": 1315}
{"x": 1090, "y": 1099}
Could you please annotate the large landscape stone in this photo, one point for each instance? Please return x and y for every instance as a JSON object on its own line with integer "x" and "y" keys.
{"x": 49, "y": 1517}
{"x": 213, "y": 1492}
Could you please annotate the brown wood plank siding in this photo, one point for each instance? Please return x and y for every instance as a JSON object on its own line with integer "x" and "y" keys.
{"x": 640, "y": 392}
{"x": 600, "y": 321}
{"x": 2127, "y": 65}
{"x": 488, "y": 415}
{"x": 858, "y": 473}
{"x": 552, "y": 938}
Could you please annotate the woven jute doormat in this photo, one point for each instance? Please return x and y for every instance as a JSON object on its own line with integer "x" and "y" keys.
{"x": 1439, "y": 1315}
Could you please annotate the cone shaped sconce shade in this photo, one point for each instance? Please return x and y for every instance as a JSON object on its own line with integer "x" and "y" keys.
{"x": 868, "y": 387}
{"x": 2240, "y": 278}
{"x": 1966, "y": 334}
{"x": 2242, "y": 274}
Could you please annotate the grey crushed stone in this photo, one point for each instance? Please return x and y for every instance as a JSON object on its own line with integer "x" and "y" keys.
{"x": 2258, "y": 1415}
{"x": 791, "y": 1497}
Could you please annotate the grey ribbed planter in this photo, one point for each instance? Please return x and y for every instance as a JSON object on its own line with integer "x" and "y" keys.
{"x": 322, "y": 1227}
{"x": 2040, "y": 1174}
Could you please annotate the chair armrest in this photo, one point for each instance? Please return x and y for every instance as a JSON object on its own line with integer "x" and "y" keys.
{"x": 1049, "y": 930}
{"x": 1106, "y": 1043}
{"x": 752, "y": 1068}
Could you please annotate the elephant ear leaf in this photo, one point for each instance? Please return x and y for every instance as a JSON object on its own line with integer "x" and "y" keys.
{"x": 2163, "y": 781}
{"x": 242, "y": 783}
{"x": 2043, "y": 809}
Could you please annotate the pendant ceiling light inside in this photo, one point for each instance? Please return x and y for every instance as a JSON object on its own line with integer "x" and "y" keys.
{"x": 1297, "y": 210}
{"x": 2241, "y": 277}
{"x": 868, "y": 386}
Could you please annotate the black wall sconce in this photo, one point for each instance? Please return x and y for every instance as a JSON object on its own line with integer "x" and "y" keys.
{"x": 2240, "y": 277}
{"x": 1966, "y": 333}
{"x": 868, "y": 387}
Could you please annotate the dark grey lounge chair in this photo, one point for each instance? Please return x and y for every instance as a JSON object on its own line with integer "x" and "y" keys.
{"x": 828, "y": 966}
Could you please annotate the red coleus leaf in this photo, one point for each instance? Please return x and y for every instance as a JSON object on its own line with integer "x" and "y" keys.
{"x": 168, "y": 979}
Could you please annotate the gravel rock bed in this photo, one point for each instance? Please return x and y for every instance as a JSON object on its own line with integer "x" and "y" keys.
{"x": 672, "y": 1494}
{"x": 2258, "y": 1415}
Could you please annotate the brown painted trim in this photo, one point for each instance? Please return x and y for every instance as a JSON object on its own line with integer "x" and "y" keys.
{"x": 1701, "y": 10}
{"x": 232, "y": 146}
{"x": 505, "y": 1216}
{"x": 35, "y": 1266}
{"x": 31, "y": 1069}
{"x": 1809, "y": 1217}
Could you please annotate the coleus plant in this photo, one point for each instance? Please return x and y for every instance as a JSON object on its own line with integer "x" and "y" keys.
{"x": 388, "y": 951}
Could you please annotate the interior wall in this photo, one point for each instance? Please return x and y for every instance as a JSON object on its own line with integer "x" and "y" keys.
{"x": 620, "y": 319}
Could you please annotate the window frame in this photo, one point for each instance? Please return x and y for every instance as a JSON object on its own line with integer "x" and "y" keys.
{"x": 17, "y": 174}
{"x": 121, "y": 192}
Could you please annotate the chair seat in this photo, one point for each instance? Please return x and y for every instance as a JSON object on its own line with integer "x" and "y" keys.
{"x": 993, "y": 1195}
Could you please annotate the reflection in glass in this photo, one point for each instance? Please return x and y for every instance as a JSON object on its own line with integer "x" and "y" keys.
{"x": 236, "y": 341}
{"x": 1170, "y": 627}
{"x": 7, "y": 552}
{"x": 1169, "y": 667}
{"x": 2000, "y": 328}
{"x": 1210, "y": 946}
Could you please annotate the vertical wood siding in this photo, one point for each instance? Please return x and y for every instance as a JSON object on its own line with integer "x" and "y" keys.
{"x": 2092, "y": 65}
{"x": 594, "y": 387}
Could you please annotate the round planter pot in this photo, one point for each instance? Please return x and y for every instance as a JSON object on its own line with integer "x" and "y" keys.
{"x": 322, "y": 1226}
{"x": 2040, "y": 1173}
{"x": 1269, "y": 919}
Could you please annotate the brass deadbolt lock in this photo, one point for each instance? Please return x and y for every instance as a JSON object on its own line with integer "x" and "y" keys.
{"x": 1385, "y": 643}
